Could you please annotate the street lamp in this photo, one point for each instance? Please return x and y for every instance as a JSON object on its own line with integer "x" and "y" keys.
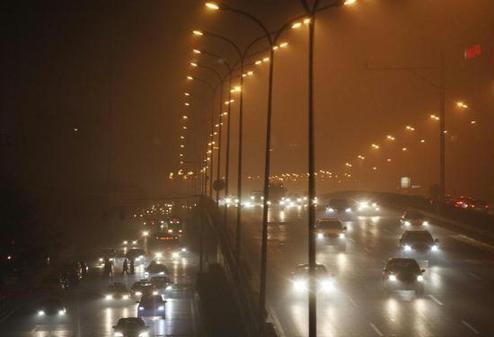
{"x": 311, "y": 10}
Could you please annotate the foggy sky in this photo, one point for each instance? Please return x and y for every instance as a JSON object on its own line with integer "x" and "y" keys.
{"x": 115, "y": 71}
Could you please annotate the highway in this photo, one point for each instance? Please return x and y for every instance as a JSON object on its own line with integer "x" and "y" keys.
{"x": 90, "y": 315}
{"x": 458, "y": 300}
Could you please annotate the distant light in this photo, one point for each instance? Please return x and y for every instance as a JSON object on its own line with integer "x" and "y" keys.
{"x": 190, "y": 77}
{"x": 212, "y": 5}
{"x": 266, "y": 59}
{"x": 283, "y": 44}
{"x": 375, "y": 146}
{"x": 461, "y": 104}
{"x": 410, "y": 128}
{"x": 422, "y": 140}
{"x": 473, "y": 122}
{"x": 349, "y": 2}
{"x": 197, "y": 33}
{"x": 296, "y": 25}
{"x": 193, "y": 64}
{"x": 186, "y": 94}
{"x": 76, "y": 129}
{"x": 258, "y": 62}
{"x": 404, "y": 149}
{"x": 360, "y": 157}
{"x": 306, "y": 21}
{"x": 388, "y": 160}
{"x": 196, "y": 51}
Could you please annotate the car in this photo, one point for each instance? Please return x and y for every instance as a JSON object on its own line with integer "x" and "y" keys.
{"x": 470, "y": 203}
{"x": 161, "y": 282}
{"x": 130, "y": 327}
{"x": 339, "y": 206}
{"x": 300, "y": 279}
{"x": 135, "y": 254}
{"x": 413, "y": 218}
{"x": 142, "y": 287}
{"x": 51, "y": 307}
{"x": 151, "y": 306}
{"x": 331, "y": 231}
{"x": 156, "y": 267}
{"x": 403, "y": 274}
{"x": 418, "y": 242}
{"x": 367, "y": 207}
{"x": 179, "y": 253}
{"x": 165, "y": 236}
{"x": 117, "y": 291}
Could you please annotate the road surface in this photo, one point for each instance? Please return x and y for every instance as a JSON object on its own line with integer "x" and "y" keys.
{"x": 458, "y": 299}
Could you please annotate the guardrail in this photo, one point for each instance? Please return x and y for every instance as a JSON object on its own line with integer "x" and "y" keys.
{"x": 236, "y": 271}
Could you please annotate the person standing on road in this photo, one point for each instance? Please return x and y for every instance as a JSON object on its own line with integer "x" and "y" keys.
{"x": 125, "y": 267}
{"x": 132, "y": 268}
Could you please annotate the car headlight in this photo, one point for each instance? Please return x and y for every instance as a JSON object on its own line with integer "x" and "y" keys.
{"x": 168, "y": 288}
{"x": 348, "y": 210}
{"x": 108, "y": 297}
{"x": 341, "y": 235}
{"x": 392, "y": 277}
{"x": 175, "y": 255}
{"x": 377, "y": 209}
{"x": 161, "y": 308}
{"x": 407, "y": 248}
{"x": 144, "y": 334}
{"x": 184, "y": 249}
{"x": 326, "y": 285}
{"x": 425, "y": 223}
{"x": 407, "y": 223}
{"x": 41, "y": 313}
{"x": 61, "y": 312}
{"x": 155, "y": 292}
{"x": 118, "y": 334}
{"x": 299, "y": 285}
{"x": 100, "y": 259}
{"x": 434, "y": 248}
{"x": 158, "y": 255}
{"x": 329, "y": 210}
{"x": 125, "y": 297}
{"x": 420, "y": 278}
{"x": 138, "y": 293}
{"x": 141, "y": 308}
{"x": 320, "y": 235}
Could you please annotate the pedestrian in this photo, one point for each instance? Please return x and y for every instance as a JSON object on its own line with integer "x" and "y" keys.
{"x": 132, "y": 269}
{"x": 125, "y": 267}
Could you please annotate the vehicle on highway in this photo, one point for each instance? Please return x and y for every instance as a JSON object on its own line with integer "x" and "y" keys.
{"x": 300, "y": 278}
{"x": 403, "y": 274}
{"x": 413, "y": 218}
{"x": 161, "y": 282}
{"x": 470, "y": 203}
{"x": 51, "y": 307}
{"x": 175, "y": 226}
{"x": 130, "y": 327}
{"x": 117, "y": 291}
{"x": 367, "y": 207}
{"x": 331, "y": 231}
{"x": 142, "y": 287}
{"x": 179, "y": 253}
{"x": 151, "y": 306}
{"x": 136, "y": 254}
{"x": 163, "y": 235}
{"x": 156, "y": 267}
{"x": 339, "y": 207}
{"x": 418, "y": 242}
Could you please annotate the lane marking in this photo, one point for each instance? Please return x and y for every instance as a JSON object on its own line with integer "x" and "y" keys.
{"x": 376, "y": 330}
{"x": 435, "y": 300}
{"x": 277, "y": 322}
{"x": 475, "y": 331}
{"x": 475, "y": 276}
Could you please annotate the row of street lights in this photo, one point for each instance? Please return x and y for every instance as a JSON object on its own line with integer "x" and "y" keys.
{"x": 272, "y": 40}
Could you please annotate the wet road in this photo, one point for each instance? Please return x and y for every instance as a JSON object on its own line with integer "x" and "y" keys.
{"x": 458, "y": 299}
{"x": 89, "y": 314}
